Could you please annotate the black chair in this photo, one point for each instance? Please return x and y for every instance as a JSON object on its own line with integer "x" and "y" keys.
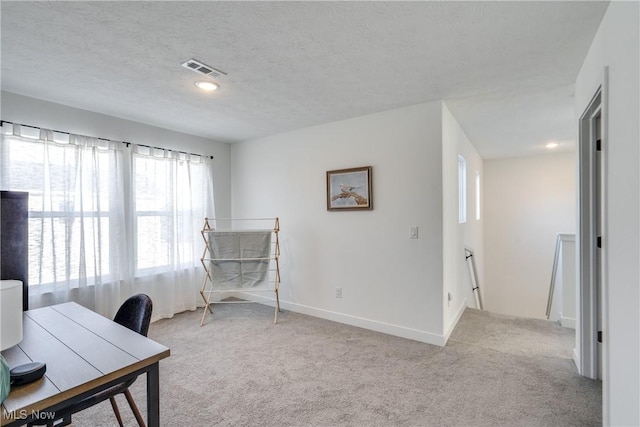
{"x": 135, "y": 314}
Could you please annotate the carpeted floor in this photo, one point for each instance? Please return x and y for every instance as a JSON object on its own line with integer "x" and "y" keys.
{"x": 241, "y": 370}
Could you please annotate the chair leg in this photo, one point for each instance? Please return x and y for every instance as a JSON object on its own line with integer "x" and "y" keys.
{"x": 134, "y": 408}
{"x": 114, "y": 405}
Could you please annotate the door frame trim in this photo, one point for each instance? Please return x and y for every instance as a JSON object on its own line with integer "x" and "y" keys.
{"x": 586, "y": 327}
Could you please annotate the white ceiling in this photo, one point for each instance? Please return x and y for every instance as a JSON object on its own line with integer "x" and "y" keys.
{"x": 505, "y": 69}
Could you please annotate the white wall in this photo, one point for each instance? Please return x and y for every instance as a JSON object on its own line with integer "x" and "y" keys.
{"x": 457, "y": 236}
{"x": 390, "y": 283}
{"x": 527, "y": 201}
{"x": 36, "y": 112}
{"x": 616, "y": 45}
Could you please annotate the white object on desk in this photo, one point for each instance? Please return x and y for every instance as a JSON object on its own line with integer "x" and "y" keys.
{"x": 10, "y": 313}
{"x": 10, "y": 327}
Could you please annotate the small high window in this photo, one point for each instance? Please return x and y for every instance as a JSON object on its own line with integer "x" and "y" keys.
{"x": 462, "y": 190}
{"x": 477, "y": 195}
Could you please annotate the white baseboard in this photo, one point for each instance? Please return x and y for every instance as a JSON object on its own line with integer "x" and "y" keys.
{"x": 576, "y": 360}
{"x": 347, "y": 319}
{"x": 451, "y": 326}
{"x": 568, "y": 322}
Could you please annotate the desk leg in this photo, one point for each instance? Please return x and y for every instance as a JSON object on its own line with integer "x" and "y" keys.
{"x": 153, "y": 395}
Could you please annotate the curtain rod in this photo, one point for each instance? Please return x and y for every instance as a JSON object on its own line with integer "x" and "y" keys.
{"x": 2, "y": 122}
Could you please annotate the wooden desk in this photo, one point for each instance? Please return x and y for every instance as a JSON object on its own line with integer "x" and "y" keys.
{"x": 85, "y": 353}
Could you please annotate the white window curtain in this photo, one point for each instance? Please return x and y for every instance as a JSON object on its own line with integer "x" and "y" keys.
{"x": 107, "y": 221}
{"x": 76, "y": 215}
{"x": 172, "y": 194}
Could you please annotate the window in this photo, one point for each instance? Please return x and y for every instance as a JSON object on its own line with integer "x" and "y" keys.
{"x": 170, "y": 196}
{"x": 70, "y": 200}
{"x": 78, "y": 206}
{"x": 462, "y": 190}
{"x": 477, "y": 195}
{"x": 153, "y": 212}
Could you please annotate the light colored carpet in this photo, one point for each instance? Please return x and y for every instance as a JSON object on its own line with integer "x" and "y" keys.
{"x": 241, "y": 370}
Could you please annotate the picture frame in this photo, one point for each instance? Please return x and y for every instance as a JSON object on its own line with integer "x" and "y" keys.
{"x": 349, "y": 189}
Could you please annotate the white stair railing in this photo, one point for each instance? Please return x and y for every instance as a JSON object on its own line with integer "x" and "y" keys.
{"x": 554, "y": 272}
{"x": 562, "y": 287}
{"x": 475, "y": 286}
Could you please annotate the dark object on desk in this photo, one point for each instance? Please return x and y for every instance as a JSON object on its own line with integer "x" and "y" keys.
{"x": 135, "y": 314}
{"x": 27, "y": 373}
{"x": 14, "y": 243}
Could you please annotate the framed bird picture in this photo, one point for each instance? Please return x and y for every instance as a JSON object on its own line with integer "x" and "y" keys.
{"x": 349, "y": 189}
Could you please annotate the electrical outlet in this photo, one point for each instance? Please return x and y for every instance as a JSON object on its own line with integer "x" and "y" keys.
{"x": 414, "y": 232}
{"x": 338, "y": 292}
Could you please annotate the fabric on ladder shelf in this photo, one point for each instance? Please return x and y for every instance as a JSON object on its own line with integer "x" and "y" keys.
{"x": 239, "y": 259}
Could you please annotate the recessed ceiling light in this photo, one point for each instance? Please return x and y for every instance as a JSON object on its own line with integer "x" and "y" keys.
{"x": 207, "y": 86}
{"x": 551, "y": 145}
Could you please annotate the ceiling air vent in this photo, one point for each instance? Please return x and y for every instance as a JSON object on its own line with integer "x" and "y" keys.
{"x": 201, "y": 68}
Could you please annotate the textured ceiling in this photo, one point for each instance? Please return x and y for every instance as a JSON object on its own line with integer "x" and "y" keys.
{"x": 505, "y": 69}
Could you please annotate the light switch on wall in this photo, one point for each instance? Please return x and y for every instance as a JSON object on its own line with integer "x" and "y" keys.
{"x": 414, "y": 233}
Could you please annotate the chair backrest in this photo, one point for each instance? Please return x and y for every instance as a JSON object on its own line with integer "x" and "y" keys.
{"x": 135, "y": 313}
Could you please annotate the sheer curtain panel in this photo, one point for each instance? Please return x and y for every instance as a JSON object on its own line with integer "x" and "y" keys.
{"x": 76, "y": 215}
{"x": 172, "y": 193}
